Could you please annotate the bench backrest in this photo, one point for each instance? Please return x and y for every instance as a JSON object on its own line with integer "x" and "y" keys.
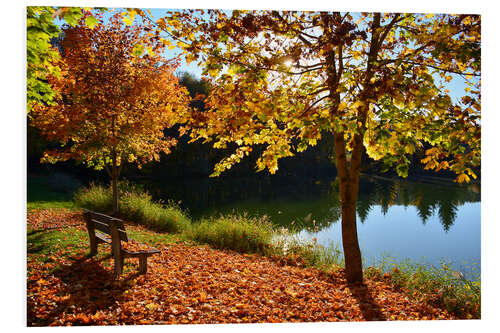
{"x": 105, "y": 223}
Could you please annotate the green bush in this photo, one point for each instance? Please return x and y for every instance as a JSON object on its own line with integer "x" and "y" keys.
{"x": 235, "y": 232}
{"x": 141, "y": 208}
{"x": 135, "y": 204}
{"x": 95, "y": 197}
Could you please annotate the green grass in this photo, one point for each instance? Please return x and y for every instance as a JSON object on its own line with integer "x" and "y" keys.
{"x": 309, "y": 253}
{"x": 236, "y": 232}
{"x": 164, "y": 217}
{"x": 459, "y": 295}
{"x": 156, "y": 239}
{"x": 95, "y": 197}
{"x": 45, "y": 242}
{"x": 50, "y": 246}
{"x": 50, "y": 205}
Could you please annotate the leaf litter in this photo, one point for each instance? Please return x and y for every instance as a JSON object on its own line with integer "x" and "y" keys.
{"x": 193, "y": 284}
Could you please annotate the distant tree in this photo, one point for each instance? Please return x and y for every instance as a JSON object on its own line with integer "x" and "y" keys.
{"x": 196, "y": 87}
{"x": 284, "y": 79}
{"x": 115, "y": 95}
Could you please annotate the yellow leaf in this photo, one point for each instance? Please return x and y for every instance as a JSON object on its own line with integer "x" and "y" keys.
{"x": 190, "y": 58}
{"x": 181, "y": 44}
{"x": 151, "y": 306}
{"x": 127, "y": 20}
{"x": 463, "y": 177}
{"x": 410, "y": 148}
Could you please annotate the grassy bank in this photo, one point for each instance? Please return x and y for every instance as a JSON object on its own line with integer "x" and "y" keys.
{"x": 439, "y": 284}
{"x": 257, "y": 235}
{"x": 235, "y": 232}
{"x": 135, "y": 205}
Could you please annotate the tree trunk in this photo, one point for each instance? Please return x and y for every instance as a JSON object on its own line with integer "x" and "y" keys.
{"x": 114, "y": 185}
{"x": 352, "y": 253}
{"x": 348, "y": 194}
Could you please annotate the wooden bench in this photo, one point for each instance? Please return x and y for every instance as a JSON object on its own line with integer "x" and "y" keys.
{"x": 106, "y": 229}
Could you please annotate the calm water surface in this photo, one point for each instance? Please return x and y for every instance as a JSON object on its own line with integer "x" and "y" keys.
{"x": 427, "y": 221}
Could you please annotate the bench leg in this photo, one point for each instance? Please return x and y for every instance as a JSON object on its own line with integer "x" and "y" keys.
{"x": 118, "y": 264}
{"x": 93, "y": 243}
{"x": 143, "y": 264}
{"x": 93, "y": 248}
{"x": 118, "y": 268}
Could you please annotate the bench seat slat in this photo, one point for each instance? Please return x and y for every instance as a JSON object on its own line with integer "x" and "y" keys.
{"x": 107, "y": 239}
{"x": 103, "y": 237}
{"x": 106, "y": 229}
{"x": 137, "y": 253}
{"x": 105, "y": 221}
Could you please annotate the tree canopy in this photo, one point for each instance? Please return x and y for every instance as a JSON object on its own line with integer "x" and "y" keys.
{"x": 115, "y": 96}
{"x": 288, "y": 75}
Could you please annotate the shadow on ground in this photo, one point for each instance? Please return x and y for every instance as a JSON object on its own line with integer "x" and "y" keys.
{"x": 86, "y": 287}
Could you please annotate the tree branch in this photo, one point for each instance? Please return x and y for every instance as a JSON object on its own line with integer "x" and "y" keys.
{"x": 312, "y": 105}
{"x": 440, "y": 69}
{"x": 388, "y": 28}
{"x": 320, "y": 64}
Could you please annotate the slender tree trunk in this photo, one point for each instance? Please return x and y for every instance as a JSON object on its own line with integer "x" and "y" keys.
{"x": 114, "y": 184}
{"x": 352, "y": 253}
{"x": 348, "y": 195}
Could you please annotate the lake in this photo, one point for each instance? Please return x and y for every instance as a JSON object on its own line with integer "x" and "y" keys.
{"x": 427, "y": 221}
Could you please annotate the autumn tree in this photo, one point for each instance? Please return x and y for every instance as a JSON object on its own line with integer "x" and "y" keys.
{"x": 115, "y": 96}
{"x": 377, "y": 82}
{"x": 40, "y": 54}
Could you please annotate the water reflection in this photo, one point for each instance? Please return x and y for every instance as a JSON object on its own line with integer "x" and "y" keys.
{"x": 312, "y": 205}
{"x": 426, "y": 197}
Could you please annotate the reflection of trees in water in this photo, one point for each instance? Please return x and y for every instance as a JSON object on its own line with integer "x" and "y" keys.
{"x": 447, "y": 213}
{"x": 309, "y": 204}
{"x": 386, "y": 194}
{"x": 427, "y": 198}
{"x": 425, "y": 208}
{"x": 364, "y": 206}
